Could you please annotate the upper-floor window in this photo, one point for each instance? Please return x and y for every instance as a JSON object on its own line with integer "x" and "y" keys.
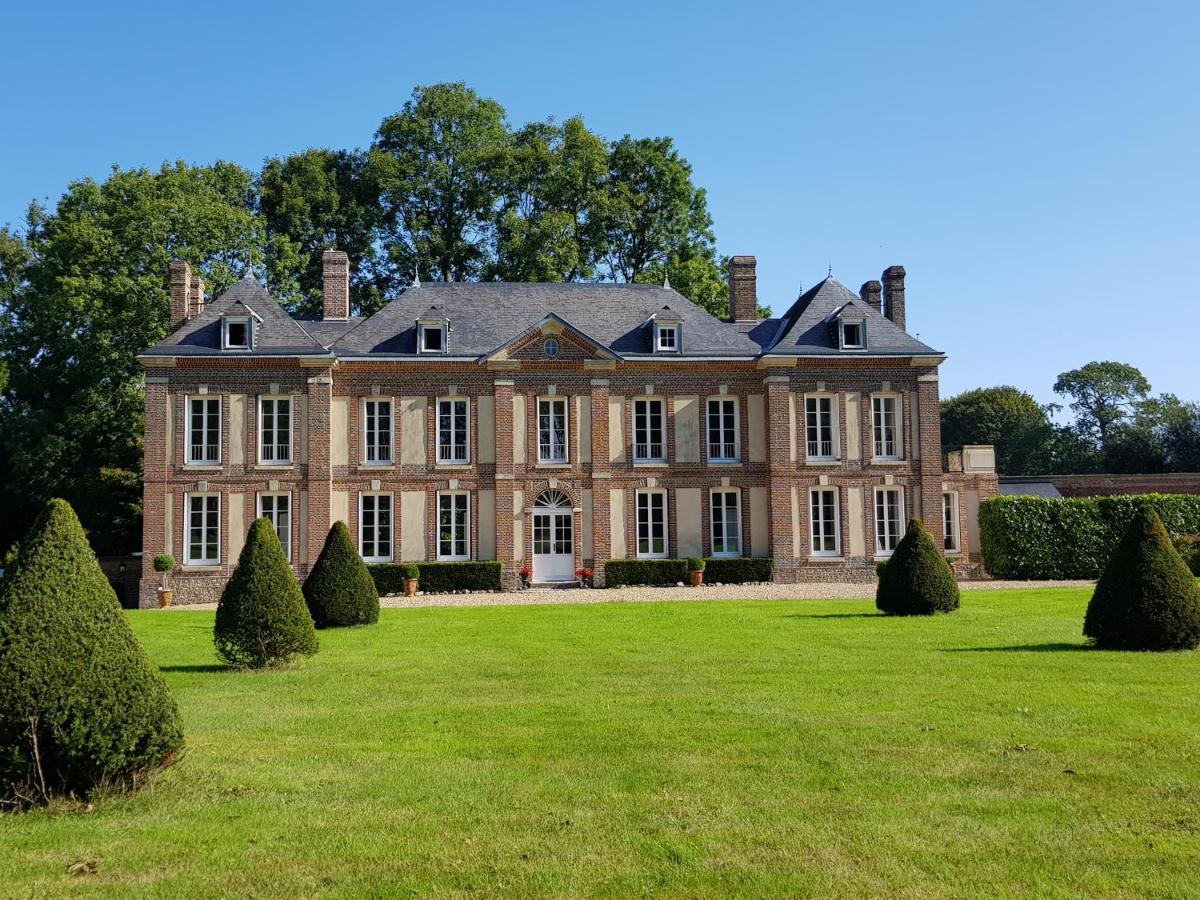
{"x": 649, "y": 435}
{"x": 453, "y": 430}
{"x": 889, "y": 519}
{"x": 885, "y": 417}
{"x": 235, "y": 333}
{"x": 203, "y": 539}
{"x": 454, "y": 525}
{"x": 667, "y": 339}
{"x": 854, "y": 334}
{"x": 277, "y": 508}
{"x": 375, "y": 527}
{"x": 950, "y": 538}
{"x": 431, "y": 338}
{"x": 726, "y": 522}
{"x": 723, "y": 429}
{"x": 652, "y": 523}
{"x": 377, "y": 431}
{"x": 824, "y": 521}
{"x": 204, "y": 431}
{"x": 552, "y": 429}
{"x": 275, "y": 430}
{"x": 820, "y": 426}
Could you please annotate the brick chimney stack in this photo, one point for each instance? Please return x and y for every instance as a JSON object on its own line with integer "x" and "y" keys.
{"x": 181, "y": 294}
{"x": 196, "y": 301}
{"x": 893, "y": 294}
{"x": 335, "y": 267}
{"x": 870, "y": 292}
{"x": 743, "y": 289}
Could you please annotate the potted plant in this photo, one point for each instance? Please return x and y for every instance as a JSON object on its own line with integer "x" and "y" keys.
{"x": 164, "y": 563}
{"x": 695, "y": 571}
{"x": 526, "y": 574}
{"x": 409, "y": 575}
{"x": 585, "y": 576}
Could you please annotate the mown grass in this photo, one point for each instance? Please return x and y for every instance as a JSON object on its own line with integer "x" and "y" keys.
{"x": 757, "y": 748}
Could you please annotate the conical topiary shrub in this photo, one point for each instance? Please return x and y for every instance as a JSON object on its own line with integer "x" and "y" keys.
{"x": 339, "y": 590}
{"x": 917, "y": 580}
{"x": 81, "y": 706}
{"x": 261, "y": 617}
{"x": 1146, "y": 598}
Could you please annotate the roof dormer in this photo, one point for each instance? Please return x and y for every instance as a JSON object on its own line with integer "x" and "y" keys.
{"x": 667, "y": 331}
{"x": 851, "y": 324}
{"x": 433, "y": 332}
{"x": 238, "y": 326}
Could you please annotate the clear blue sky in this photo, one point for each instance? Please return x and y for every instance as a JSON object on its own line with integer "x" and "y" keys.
{"x": 1033, "y": 165}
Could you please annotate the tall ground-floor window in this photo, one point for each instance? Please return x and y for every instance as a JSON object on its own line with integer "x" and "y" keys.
{"x": 889, "y": 519}
{"x": 203, "y": 530}
{"x": 375, "y": 527}
{"x": 652, "y": 523}
{"x": 725, "y": 509}
{"x": 950, "y": 539}
{"x": 824, "y": 521}
{"x": 454, "y": 525}
{"x": 278, "y": 508}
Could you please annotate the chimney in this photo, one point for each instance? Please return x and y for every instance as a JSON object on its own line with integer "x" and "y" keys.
{"x": 196, "y": 304}
{"x": 893, "y": 294}
{"x": 870, "y": 294}
{"x": 335, "y": 266}
{"x": 743, "y": 289}
{"x": 181, "y": 294}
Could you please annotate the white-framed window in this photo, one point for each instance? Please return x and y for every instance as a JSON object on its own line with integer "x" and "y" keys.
{"x": 652, "y": 524}
{"x": 820, "y": 425}
{"x": 375, "y": 527}
{"x": 666, "y": 339}
{"x": 278, "y": 508}
{"x": 853, "y": 334}
{"x": 204, "y": 431}
{"x": 202, "y": 543}
{"x": 649, "y": 429}
{"x": 552, "y": 429}
{"x": 235, "y": 333}
{"x": 431, "y": 338}
{"x": 725, "y": 520}
{"x": 889, "y": 519}
{"x": 950, "y": 539}
{"x": 377, "y": 431}
{"x": 454, "y": 525}
{"x": 453, "y": 431}
{"x": 886, "y": 422}
{"x": 274, "y": 430}
{"x": 723, "y": 429}
{"x": 824, "y": 521}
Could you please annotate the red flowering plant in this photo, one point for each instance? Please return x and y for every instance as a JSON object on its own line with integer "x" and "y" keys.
{"x": 526, "y": 574}
{"x": 585, "y": 576}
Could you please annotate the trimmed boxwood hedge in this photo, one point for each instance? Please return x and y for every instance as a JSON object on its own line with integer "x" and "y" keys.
{"x": 1040, "y": 538}
{"x": 631, "y": 572}
{"x": 1188, "y": 546}
{"x": 439, "y": 577}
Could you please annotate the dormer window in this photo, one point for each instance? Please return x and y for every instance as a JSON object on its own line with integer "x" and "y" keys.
{"x": 853, "y": 334}
{"x": 235, "y": 333}
{"x": 431, "y": 336}
{"x": 668, "y": 339}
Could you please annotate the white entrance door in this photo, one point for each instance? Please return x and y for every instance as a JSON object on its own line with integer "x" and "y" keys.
{"x": 553, "y": 545}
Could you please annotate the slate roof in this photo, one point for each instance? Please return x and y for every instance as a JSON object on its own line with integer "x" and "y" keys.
{"x": 486, "y": 315}
{"x": 806, "y": 328}
{"x": 1019, "y": 486}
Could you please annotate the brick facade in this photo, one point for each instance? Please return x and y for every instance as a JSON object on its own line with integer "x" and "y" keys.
{"x": 502, "y": 474}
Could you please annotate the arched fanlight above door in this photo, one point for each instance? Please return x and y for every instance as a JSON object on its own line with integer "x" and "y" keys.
{"x": 552, "y": 500}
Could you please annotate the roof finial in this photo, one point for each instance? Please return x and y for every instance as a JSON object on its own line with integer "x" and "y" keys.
{"x": 416, "y": 277}
{"x": 666, "y": 280}
{"x": 829, "y": 274}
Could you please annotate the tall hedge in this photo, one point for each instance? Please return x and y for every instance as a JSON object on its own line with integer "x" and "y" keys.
{"x": 261, "y": 617}
{"x": 439, "y": 577}
{"x": 917, "y": 580}
{"x": 1040, "y": 538}
{"x": 1147, "y": 599}
{"x": 77, "y": 691}
{"x": 339, "y": 590}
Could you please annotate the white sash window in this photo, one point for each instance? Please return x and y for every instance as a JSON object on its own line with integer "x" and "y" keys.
{"x": 377, "y": 431}
{"x": 454, "y": 525}
{"x": 453, "y": 430}
{"x": 278, "y": 509}
{"x": 375, "y": 527}
{"x": 725, "y": 508}
{"x": 824, "y": 522}
{"x": 275, "y": 430}
{"x": 552, "y": 430}
{"x": 723, "y": 429}
{"x": 649, "y": 443}
{"x": 204, "y": 431}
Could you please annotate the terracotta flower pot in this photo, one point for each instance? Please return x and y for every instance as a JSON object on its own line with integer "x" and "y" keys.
{"x": 410, "y": 586}
{"x": 695, "y": 579}
{"x": 165, "y": 596}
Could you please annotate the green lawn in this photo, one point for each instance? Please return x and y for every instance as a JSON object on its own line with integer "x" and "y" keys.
{"x": 766, "y": 748}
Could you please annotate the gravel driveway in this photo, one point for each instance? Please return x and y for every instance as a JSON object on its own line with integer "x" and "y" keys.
{"x": 813, "y": 591}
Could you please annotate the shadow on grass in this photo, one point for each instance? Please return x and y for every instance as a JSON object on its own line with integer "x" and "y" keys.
{"x": 866, "y": 615}
{"x": 1054, "y": 647}
{"x": 198, "y": 667}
